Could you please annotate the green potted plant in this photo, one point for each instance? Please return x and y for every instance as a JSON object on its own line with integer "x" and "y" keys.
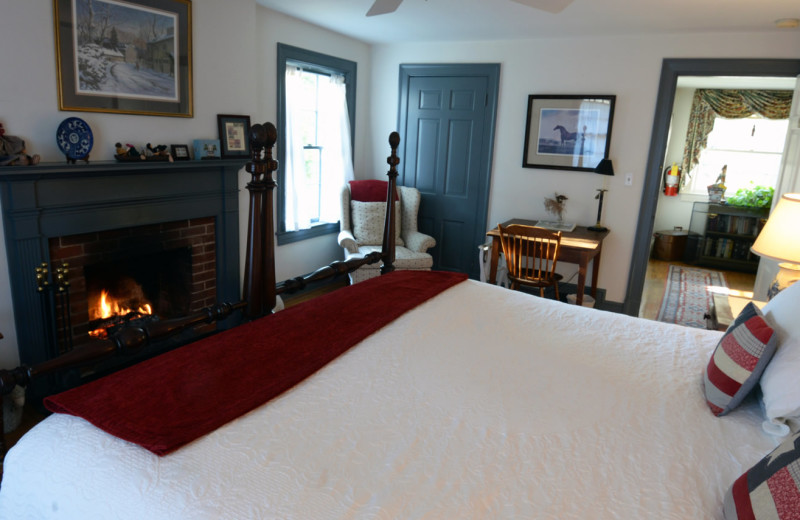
{"x": 753, "y": 197}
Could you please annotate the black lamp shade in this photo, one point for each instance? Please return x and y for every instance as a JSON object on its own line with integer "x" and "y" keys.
{"x": 604, "y": 167}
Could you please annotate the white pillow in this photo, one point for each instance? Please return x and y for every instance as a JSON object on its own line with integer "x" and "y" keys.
{"x": 368, "y": 222}
{"x": 780, "y": 382}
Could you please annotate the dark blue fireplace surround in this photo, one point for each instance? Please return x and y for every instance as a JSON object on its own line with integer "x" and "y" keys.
{"x": 52, "y": 200}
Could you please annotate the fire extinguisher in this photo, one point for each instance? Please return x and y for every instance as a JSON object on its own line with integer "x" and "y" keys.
{"x": 672, "y": 180}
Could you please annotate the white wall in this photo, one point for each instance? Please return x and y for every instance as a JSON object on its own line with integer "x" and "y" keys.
{"x": 627, "y": 66}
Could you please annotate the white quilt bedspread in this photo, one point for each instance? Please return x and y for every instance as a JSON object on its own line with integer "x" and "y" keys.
{"x": 482, "y": 403}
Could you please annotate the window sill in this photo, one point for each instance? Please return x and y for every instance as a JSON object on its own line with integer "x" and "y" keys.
{"x": 694, "y": 197}
{"x": 288, "y": 237}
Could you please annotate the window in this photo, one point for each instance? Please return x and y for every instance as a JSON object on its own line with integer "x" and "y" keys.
{"x": 316, "y": 108}
{"x": 751, "y": 148}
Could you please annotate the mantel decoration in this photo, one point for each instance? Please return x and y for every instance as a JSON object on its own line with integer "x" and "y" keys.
{"x": 233, "y": 135}
{"x": 567, "y": 132}
{"x": 75, "y": 139}
{"x": 129, "y": 153}
{"x": 206, "y": 149}
{"x": 129, "y": 58}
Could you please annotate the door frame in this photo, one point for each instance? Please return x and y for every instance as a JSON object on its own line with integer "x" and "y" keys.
{"x": 670, "y": 70}
{"x": 491, "y": 71}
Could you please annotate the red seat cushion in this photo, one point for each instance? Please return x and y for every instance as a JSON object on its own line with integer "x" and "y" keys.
{"x": 369, "y": 191}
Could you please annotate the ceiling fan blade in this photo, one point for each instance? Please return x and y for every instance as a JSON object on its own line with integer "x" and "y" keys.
{"x": 383, "y": 7}
{"x": 551, "y": 6}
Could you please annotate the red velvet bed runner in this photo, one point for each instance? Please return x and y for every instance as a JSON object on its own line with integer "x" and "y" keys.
{"x": 170, "y": 400}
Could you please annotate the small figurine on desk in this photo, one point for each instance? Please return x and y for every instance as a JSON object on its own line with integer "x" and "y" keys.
{"x": 12, "y": 151}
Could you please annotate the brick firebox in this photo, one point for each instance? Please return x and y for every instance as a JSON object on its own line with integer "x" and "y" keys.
{"x": 179, "y": 287}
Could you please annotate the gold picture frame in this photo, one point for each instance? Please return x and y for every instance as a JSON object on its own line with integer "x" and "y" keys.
{"x": 126, "y": 58}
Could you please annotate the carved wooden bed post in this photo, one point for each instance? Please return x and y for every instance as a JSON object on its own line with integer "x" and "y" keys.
{"x": 387, "y": 249}
{"x": 259, "y": 270}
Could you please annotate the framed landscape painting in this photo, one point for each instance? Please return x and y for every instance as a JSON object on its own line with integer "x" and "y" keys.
{"x": 567, "y": 132}
{"x": 132, "y": 57}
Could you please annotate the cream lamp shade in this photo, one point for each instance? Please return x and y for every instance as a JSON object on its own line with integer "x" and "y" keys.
{"x": 780, "y": 241}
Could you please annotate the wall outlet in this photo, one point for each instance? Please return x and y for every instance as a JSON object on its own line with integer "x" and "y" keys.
{"x": 628, "y": 179}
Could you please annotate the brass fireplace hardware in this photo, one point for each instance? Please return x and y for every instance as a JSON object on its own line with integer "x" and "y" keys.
{"x": 53, "y": 286}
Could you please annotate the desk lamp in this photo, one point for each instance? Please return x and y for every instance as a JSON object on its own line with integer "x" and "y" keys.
{"x": 780, "y": 241}
{"x": 604, "y": 167}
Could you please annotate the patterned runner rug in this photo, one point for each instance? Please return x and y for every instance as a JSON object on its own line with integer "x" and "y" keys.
{"x": 688, "y": 295}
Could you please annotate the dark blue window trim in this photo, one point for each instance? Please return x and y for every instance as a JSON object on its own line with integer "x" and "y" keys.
{"x": 322, "y": 64}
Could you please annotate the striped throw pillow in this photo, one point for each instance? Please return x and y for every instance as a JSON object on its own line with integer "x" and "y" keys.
{"x": 770, "y": 489}
{"x": 738, "y": 360}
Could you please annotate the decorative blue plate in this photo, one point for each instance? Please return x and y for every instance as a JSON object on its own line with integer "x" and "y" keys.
{"x": 74, "y": 138}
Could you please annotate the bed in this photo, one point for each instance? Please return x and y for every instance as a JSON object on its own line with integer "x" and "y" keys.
{"x": 473, "y": 402}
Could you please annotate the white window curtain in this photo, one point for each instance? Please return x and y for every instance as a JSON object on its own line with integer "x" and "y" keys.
{"x": 334, "y": 138}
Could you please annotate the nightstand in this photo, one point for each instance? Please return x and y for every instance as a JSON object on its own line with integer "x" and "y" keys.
{"x": 728, "y": 306}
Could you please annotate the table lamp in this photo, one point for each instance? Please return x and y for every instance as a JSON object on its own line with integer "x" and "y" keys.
{"x": 604, "y": 167}
{"x": 780, "y": 241}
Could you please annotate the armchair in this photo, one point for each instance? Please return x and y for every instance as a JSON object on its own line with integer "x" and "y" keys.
{"x": 363, "y": 209}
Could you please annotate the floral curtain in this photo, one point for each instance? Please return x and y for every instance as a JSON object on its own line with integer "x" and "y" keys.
{"x": 707, "y": 104}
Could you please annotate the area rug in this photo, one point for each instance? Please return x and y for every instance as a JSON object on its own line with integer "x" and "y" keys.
{"x": 689, "y": 295}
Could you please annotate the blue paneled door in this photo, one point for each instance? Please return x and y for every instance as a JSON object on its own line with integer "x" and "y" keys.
{"x": 446, "y": 126}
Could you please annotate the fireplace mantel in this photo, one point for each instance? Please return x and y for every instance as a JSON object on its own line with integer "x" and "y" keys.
{"x": 52, "y": 200}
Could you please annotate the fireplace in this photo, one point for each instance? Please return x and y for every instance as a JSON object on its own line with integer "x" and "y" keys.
{"x": 163, "y": 271}
{"x": 107, "y": 221}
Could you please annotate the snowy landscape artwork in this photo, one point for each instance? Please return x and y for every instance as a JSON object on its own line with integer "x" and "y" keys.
{"x": 125, "y": 56}
{"x": 125, "y": 50}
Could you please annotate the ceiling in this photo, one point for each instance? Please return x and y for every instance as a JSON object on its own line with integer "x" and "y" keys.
{"x": 472, "y": 20}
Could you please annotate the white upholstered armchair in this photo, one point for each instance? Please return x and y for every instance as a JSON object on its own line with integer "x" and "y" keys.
{"x": 362, "y": 220}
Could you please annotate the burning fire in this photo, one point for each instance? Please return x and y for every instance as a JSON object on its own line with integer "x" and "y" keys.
{"x": 109, "y": 308}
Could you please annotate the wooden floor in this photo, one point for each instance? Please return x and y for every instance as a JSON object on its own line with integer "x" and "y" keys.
{"x": 656, "y": 278}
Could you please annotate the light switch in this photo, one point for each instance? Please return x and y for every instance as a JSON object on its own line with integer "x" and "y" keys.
{"x": 628, "y": 179}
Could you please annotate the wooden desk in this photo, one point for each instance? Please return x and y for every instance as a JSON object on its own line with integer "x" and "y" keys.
{"x": 577, "y": 247}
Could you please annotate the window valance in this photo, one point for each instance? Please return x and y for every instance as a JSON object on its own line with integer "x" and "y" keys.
{"x": 707, "y": 104}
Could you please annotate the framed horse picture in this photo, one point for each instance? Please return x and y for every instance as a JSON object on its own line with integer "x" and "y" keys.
{"x": 567, "y": 132}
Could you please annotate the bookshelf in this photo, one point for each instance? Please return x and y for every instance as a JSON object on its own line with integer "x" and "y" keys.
{"x": 726, "y": 234}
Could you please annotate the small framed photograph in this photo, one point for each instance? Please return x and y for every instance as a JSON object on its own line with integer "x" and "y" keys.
{"x": 233, "y": 135}
{"x": 567, "y": 132}
{"x": 180, "y": 152}
{"x": 206, "y": 149}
